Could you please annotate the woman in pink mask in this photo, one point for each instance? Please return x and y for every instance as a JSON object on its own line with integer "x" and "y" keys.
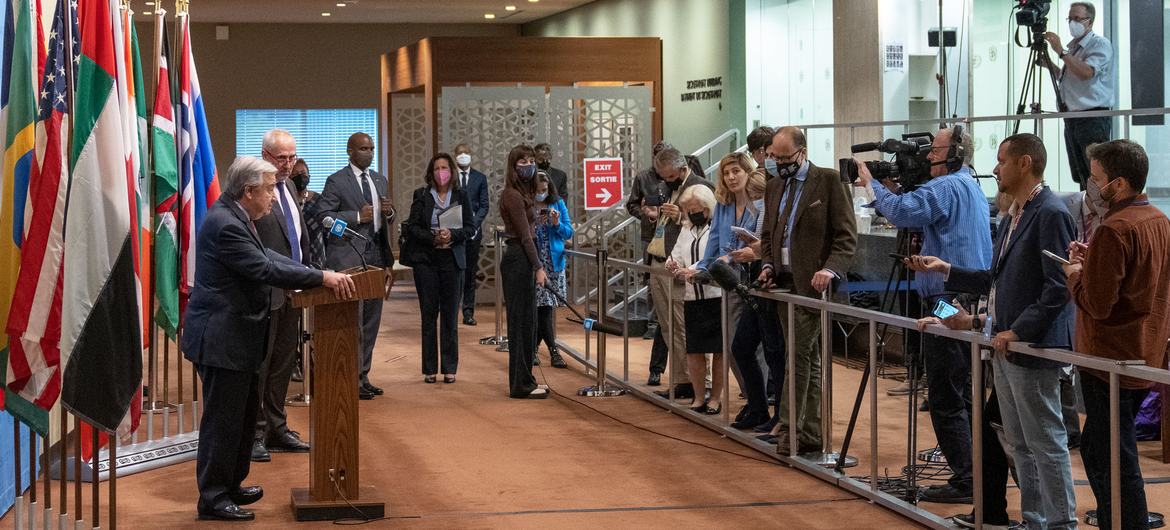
{"x": 440, "y": 221}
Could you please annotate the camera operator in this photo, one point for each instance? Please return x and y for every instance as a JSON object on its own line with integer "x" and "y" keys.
{"x": 1085, "y": 84}
{"x": 952, "y": 212}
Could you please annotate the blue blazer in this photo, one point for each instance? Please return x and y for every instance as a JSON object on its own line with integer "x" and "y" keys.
{"x": 418, "y": 227}
{"x": 1031, "y": 298}
{"x": 559, "y": 234}
{"x": 720, "y": 241}
{"x": 477, "y": 195}
{"x": 226, "y": 324}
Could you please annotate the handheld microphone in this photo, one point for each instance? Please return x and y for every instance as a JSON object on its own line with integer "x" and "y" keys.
{"x": 724, "y": 276}
{"x": 341, "y": 229}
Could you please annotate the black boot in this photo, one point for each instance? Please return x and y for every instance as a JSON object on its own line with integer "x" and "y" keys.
{"x": 555, "y": 357}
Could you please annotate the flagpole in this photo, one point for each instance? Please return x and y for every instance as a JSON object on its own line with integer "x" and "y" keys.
{"x": 180, "y": 12}
{"x": 152, "y": 356}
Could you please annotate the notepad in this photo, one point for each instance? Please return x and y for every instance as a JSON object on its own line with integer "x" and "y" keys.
{"x": 452, "y": 218}
{"x": 745, "y": 233}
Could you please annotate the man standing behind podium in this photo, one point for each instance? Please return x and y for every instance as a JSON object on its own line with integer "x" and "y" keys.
{"x": 357, "y": 195}
{"x": 226, "y": 327}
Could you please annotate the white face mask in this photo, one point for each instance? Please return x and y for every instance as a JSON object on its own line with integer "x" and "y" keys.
{"x": 464, "y": 160}
{"x": 1076, "y": 28}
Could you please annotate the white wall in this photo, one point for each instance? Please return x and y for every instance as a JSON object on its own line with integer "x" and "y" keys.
{"x": 695, "y": 45}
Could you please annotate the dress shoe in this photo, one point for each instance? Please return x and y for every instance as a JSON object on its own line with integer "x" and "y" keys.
{"x": 651, "y": 330}
{"x": 449, "y": 378}
{"x": 469, "y": 321}
{"x": 711, "y": 411}
{"x": 946, "y": 494}
{"x": 231, "y": 512}
{"x": 246, "y": 495}
{"x": 537, "y": 393}
{"x": 967, "y": 520}
{"x": 750, "y": 421}
{"x": 259, "y": 452}
{"x": 924, "y": 406}
{"x": 904, "y": 388}
{"x": 365, "y": 395}
{"x": 297, "y": 375}
{"x": 655, "y": 379}
{"x": 681, "y": 391}
{"x": 372, "y": 389}
{"x": 768, "y": 438}
{"x": 286, "y": 443}
{"x": 700, "y": 408}
{"x": 555, "y": 358}
{"x": 768, "y": 426}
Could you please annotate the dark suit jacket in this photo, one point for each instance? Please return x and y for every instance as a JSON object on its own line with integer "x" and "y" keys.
{"x": 274, "y": 235}
{"x": 418, "y": 227}
{"x": 226, "y": 323}
{"x": 1031, "y": 298}
{"x": 477, "y": 194}
{"x": 342, "y": 199}
{"x": 824, "y": 235}
{"x": 561, "y": 181}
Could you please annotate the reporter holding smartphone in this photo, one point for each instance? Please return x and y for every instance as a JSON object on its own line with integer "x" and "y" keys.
{"x": 553, "y": 228}
{"x": 1028, "y": 302}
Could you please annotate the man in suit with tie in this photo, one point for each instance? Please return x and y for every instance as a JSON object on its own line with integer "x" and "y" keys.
{"x": 1027, "y": 302}
{"x": 543, "y": 153}
{"x": 226, "y": 329}
{"x": 475, "y": 185}
{"x": 808, "y": 240}
{"x": 282, "y": 231}
{"x": 357, "y": 195}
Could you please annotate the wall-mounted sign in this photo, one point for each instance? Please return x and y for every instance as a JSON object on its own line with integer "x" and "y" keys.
{"x": 703, "y": 89}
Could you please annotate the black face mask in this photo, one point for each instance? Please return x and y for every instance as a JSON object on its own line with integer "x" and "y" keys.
{"x": 697, "y": 218}
{"x": 544, "y": 165}
{"x": 300, "y": 180}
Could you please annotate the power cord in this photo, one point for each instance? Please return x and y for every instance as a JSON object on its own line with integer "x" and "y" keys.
{"x": 364, "y": 519}
{"x": 651, "y": 431}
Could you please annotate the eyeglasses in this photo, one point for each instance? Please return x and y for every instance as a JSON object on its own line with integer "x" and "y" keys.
{"x": 784, "y": 158}
{"x": 1078, "y": 19}
{"x": 283, "y": 159}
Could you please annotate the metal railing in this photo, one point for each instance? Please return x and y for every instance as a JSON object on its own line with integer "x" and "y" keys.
{"x": 710, "y": 153}
{"x": 816, "y": 465}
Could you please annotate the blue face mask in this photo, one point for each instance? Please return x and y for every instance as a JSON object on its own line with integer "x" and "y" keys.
{"x": 526, "y": 172}
{"x": 770, "y": 167}
{"x": 540, "y": 197}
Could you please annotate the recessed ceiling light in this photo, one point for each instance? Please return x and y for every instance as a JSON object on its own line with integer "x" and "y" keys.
{"x": 326, "y": 14}
{"x": 340, "y": 5}
{"x": 533, "y": 1}
{"x": 489, "y": 16}
{"x": 147, "y": 13}
{"x": 150, "y": 3}
{"x": 509, "y": 8}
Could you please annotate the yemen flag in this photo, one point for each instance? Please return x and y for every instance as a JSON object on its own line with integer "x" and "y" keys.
{"x": 100, "y": 346}
{"x": 166, "y": 186}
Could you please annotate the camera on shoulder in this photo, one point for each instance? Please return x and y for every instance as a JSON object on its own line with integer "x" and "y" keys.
{"x": 909, "y": 168}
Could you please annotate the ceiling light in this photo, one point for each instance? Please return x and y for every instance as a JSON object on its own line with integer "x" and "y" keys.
{"x": 340, "y": 5}
{"x": 147, "y": 13}
{"x": 533, "y": 1}
{"x": 509, "y": 8}
{"x": 489, "y": 16}
{"x": 150, "y": 3}
{"x": 326, "y": 14}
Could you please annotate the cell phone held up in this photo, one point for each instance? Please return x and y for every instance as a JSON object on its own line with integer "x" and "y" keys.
{"x": 943, "y": 310}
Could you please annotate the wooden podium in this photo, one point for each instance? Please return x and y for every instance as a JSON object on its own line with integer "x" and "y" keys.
{"x": 334, "y": 483}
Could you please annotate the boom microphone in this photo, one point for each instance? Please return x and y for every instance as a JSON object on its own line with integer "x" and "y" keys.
{"x": 589, "y": 323}
{"x": 724, "y": 276}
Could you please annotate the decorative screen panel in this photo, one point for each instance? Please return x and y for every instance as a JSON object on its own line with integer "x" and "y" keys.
{"x": 411, "y": 148}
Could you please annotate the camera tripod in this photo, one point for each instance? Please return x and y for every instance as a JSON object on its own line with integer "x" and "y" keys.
{"x": 1038, "y": 59}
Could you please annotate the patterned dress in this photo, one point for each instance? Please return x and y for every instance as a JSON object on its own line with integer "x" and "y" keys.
{"x": 556, "y": 280}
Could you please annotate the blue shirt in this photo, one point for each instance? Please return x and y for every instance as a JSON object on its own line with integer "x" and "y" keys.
{"x": 798, "y": 186}
{"x": 955, "y": 220}
{"x": 1096, "y": 91}
{"x": 721, "y": 241}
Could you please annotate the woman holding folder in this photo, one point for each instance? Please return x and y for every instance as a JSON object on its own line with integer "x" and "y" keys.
{"x": 440, "y": 221}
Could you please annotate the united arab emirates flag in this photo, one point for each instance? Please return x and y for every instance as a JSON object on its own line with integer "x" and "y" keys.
{"x": 100, "y": 336}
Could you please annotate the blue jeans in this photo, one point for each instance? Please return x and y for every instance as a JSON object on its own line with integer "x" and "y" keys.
{"x": 1095, "y": 453}
{"x": 1029, "y": 402}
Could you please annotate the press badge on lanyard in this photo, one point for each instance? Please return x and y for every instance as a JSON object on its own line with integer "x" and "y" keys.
{"x": 784, "y": 257}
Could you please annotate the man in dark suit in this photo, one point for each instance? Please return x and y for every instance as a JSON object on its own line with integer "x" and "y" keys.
{"x": 808, "y": 239}
{"x": 1028, "y": 302}
{"x": 559, "y": 179}
{"x": 226, "y": 331}
{"x": 283, "y": 230}
{"x": 475, "y": 185}
{"x": 357, "y": 195}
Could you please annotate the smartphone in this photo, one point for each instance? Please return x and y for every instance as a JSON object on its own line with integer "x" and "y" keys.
{"x": 1055, "y": 257}
{"x": 544, "y": 212}
{"x": 944, "y": 310}
{"x": 898, "y": 256}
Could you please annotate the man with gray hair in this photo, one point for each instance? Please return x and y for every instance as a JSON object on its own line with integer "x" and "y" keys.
{"x": 225, "y": 329}
{"x": 282, "y": 231}
{"x": 671, "y": 166}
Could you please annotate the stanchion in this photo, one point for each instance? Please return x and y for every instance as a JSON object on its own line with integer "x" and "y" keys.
{"x": 113, "y": 488}
{"x": 63, "y": 517}
{"x": 48, "y": 486}
{"x": 601, "y": 389}
{"x": 305, "y": 347}
{"x": 498, "y": 340}
{"x": 34, "y": 507}
{"x": 18, "y": 502}
{"x": 977, "y": 401}
{"x": 828, "y": 457}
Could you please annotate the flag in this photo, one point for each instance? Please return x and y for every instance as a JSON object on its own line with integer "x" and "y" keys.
{"x": 100, "y": 346}
{"x": 197, "y": 174}
{"x": 18, "y": 111}
{"x": 34, "y": 323}
{"x": 137, "y": 125}
{"x": 166, "y": 186}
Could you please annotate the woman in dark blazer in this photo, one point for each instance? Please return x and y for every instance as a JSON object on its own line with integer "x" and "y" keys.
{"x": 439, "y": 223}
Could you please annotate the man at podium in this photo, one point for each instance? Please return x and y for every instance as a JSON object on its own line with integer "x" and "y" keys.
{"x": 226, "y": 327}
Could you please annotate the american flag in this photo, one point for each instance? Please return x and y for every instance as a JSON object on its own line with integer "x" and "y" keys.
{"x": 34, "y": 323}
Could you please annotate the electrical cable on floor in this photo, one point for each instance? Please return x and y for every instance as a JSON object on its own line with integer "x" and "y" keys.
{"x": 651, "y": 431}
{"x": 364, "y": 519}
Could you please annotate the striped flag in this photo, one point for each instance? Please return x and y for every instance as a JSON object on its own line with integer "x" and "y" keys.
{"x": 197, "y": 173}
{"x": 34, "y": 323}
{"x": 166, "y": 186}
{"x": 18, "y": 111}
{"x": 100, "y": 348}
{"x": 136, "y": 122}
